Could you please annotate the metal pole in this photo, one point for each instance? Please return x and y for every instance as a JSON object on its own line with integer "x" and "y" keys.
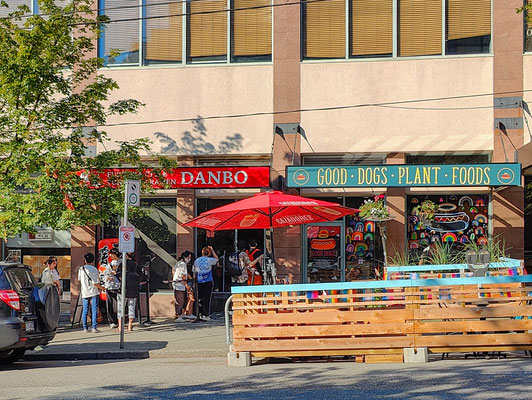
{"x": 227, "y": 313}
{"x": 124, "y": 266}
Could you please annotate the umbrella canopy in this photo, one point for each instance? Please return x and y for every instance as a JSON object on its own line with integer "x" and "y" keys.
{"x": 269, "y": 210}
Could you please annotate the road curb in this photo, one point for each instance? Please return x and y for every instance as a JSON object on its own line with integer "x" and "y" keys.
{"x": 116, "y": 355}
{"x": 122, "y": 355}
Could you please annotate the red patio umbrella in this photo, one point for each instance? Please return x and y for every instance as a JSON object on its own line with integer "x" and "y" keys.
{"x": 271, "y": 209}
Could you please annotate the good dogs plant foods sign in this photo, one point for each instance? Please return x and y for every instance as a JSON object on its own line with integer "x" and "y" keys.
{"x": 199, "y": 178}
{"x": 508, "y": 174}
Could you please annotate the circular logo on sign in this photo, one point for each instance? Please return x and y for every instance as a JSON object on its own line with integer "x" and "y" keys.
{"x": 300, "y": 177}
{"x": 505, "y": 175}
{"x": 133, "y": 198}
{"x": 127, "y": 236}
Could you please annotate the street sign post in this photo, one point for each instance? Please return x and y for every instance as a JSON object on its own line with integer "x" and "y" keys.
{"x": 126, "y": 239}
{"x": 126, "y": 243}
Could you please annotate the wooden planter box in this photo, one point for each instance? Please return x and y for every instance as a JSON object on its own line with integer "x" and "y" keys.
{"x": 373, "y": 321}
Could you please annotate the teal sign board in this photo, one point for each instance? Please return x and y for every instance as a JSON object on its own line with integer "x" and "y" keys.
{"x": 508, "y": 174}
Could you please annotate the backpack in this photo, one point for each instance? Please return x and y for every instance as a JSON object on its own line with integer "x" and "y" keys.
{"x": 232, "y": 267}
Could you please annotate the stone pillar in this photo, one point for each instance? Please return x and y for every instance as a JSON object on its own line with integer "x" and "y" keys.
{"x": 185, "y": 212}
{"x": 507, "y": 38}
{"x": 83, "y": 240}
{"x": 286, "y": 137}
{"x": 396, "y": 201}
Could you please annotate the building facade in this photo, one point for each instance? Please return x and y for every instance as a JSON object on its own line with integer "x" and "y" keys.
{"x": 326, "y": 83}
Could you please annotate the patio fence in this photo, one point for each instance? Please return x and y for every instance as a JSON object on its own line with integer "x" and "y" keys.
{"x": 375, "y": 320}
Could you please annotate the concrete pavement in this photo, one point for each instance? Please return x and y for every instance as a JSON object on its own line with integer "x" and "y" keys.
{"x": 165, "y": 338}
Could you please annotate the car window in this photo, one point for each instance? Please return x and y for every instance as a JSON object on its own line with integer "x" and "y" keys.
{"x": 20, "y": 278}
{"x": 4, "y": 284}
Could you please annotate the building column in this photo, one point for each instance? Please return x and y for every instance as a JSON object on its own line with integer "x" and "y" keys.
{"x": 286, "y": 138}
{"x": 507, "y": 38}
{"x": 395, "y": 199}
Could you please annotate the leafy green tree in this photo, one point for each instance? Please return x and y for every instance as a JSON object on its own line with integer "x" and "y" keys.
{"x": 49, "y": 90}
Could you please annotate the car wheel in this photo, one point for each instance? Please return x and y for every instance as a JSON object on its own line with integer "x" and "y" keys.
{"x": 49, "y": 312}
{"x": 11, "y": 356}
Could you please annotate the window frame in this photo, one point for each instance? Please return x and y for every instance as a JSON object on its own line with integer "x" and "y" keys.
{"x": 185, "y": 59}
{"x": 395, "y": 37}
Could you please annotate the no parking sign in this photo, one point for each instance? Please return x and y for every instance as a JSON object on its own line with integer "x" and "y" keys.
{"x": 126, "y": 239}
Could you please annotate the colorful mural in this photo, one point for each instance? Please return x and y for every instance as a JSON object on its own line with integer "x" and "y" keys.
{"x": 460, "y": 219}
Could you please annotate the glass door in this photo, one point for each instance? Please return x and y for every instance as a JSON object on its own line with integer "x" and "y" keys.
{"x": 323, "y": 255}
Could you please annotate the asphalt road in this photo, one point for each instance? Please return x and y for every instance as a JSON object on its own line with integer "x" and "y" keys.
{"x": 211, "y": 379}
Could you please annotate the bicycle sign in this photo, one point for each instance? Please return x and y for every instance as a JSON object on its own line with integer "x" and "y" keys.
{"x": 126, "y": 239}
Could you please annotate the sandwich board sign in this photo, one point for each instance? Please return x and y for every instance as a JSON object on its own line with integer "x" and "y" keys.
{"x": 126, "y": 239}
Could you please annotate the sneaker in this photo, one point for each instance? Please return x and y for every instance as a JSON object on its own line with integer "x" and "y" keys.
{"x": 205, "y": 318}
{"x": 191, "y": 316}
{"x": 85, "y": 330}
{"x": 180, "y": 319}
{"x": 95, "y": 330}
{"x": 113, "y": 326}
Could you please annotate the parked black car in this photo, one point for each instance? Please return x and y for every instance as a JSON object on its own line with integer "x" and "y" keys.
{"x": 29, "y": 312}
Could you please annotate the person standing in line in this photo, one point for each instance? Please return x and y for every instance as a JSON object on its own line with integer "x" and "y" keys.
{"x": 179, "y": 284}
{"x": 132, "y": 292}
{"x": 203, "y": 271}
{"x": 88, "y": 278}
{"x": 50, "y": 274}
{"x": 111, "y": 282}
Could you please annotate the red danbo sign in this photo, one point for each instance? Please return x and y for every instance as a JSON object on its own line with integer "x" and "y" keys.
{"x": 205, "y": 177}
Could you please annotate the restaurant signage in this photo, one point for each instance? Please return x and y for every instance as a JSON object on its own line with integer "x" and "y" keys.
{"x": 200, "y": 177}
{"x": 507, "y": 174}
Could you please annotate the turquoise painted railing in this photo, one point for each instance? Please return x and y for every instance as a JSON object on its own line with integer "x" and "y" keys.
{"x": 307, "y": 287}
{"x": 507, "y": 263}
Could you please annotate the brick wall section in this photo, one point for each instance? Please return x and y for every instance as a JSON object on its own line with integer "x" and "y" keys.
{"x": 508, "y": 204}
{"x": 286, "y": 97}
{"x": 82, "y": 241}
{"x": 396, "y": 203}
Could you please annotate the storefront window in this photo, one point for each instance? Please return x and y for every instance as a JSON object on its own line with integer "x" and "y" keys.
{"x": 363, "y": 252}
{"x": 460, "y": 220}
{"x": 343, "y": 250}
{"x": 156, "y": 240}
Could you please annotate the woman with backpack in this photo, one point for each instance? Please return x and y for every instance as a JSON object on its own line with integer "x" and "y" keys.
{"x": 132, "y": 292}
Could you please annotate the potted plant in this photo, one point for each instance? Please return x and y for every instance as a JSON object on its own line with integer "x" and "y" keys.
{"x": 426, "y": 211}
{"x": 374, "y": 210}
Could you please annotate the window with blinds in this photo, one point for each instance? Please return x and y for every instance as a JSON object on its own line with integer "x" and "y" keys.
{"x": 251, "y": 30}
{"x": 122, "y": 36}
{"x": 324, "y": 29}
{"x": 207, "y": 30}
{"x": 371, "y": 28}
{"x": 13, "y": 5}
{"x": 420, "y": 27}
{"x": 163, "y": 36}
{"x": 468, "y": 26}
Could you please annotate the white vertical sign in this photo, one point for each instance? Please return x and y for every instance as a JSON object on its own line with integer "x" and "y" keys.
{"x": 133, "y": 193}
{"x": 126, "y": 239}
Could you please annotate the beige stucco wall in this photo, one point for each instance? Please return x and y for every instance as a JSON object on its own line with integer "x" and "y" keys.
{"x": 196, "y": 92}
{"x": 387, "y": 129}
{"x": 527, "y": 96}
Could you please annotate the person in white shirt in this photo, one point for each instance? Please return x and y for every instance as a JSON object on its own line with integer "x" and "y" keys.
{"x": 90, "y": 287}
{"x": 179, "y": 284}
{"x": 50, "y": 275}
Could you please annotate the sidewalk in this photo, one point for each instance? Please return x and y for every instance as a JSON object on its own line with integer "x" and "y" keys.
{"x": 164, "y": 339}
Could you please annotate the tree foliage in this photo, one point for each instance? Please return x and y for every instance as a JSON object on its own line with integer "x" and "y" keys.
{"x": 49, "y": 90}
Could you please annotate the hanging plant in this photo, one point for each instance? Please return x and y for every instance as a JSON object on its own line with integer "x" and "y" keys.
{"x": 374, "y": 210}
{"x": 426, "y": 212}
